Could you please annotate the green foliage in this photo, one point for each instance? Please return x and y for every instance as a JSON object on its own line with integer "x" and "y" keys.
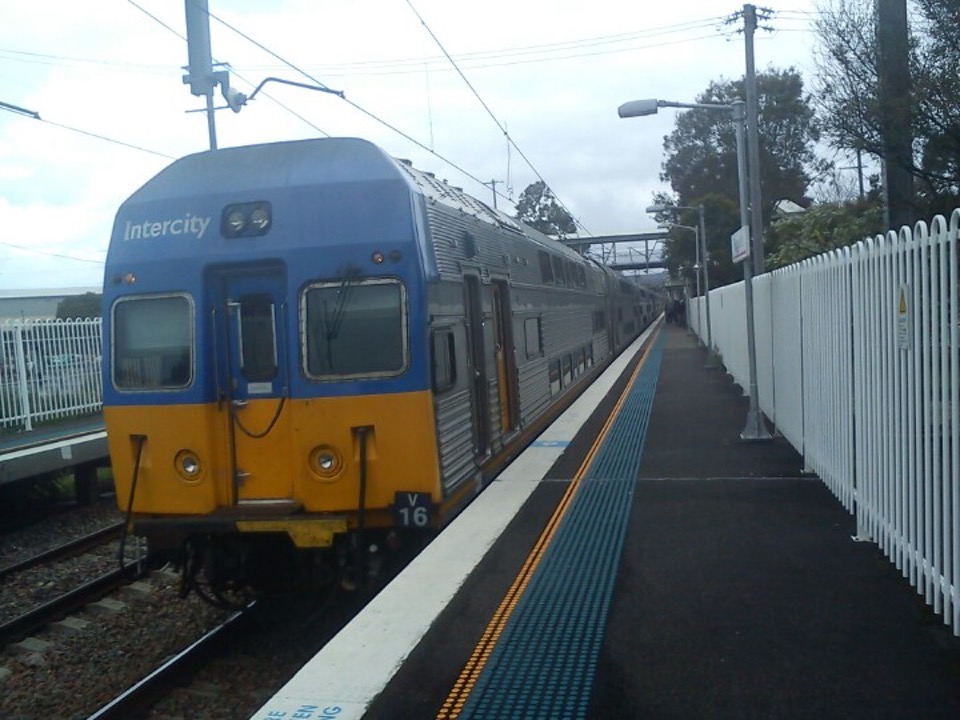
{"x": 88, "y": 305}
{"x": 701, "y": 152}
{"x": 721, "y": 216}
{"x": 701, "y": 165}
{"x": 820, "y": 229}
{"x": 539, "y": 209}
{"x": 847, "y": 91}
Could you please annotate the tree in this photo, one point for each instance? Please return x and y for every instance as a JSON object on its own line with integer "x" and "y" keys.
{"x": 87, "y": 305}
{"x": 848, "y": 82}
{"x": 701, "y": 152}
{"x": 720, "y": 214}
{"x": 539, "y": 209}
{"x": 701, "y": 163}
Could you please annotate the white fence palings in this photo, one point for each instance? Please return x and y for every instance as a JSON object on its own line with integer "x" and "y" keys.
{"x": 869, "y": 390}
{"x": 49, "y": 369}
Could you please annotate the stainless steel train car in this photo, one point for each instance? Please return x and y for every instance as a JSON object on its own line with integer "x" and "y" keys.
{"x": 312, "y": 349}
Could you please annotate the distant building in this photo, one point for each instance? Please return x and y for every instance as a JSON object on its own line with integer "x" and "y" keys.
{"x": 36, "y": 304}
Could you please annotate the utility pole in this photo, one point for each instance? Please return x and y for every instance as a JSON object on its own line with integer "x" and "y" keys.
{"x": 753, "y": 142}
{"x": 895, "y": 110}
{"x": 200, "y": 75}
{"x": 493, "y": 186}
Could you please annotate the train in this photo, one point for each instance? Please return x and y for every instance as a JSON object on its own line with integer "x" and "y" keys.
{"x": 314, "y": 351}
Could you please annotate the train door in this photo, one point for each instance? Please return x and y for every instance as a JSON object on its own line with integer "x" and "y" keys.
{"x": 253, "y": 381}
{"x": 479, "y": 402}
{"x": 503, "y": 355}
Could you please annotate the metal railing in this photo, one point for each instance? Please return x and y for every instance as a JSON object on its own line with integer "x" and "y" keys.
{"x": 858, "y": 366}
{"x": 49, "y": 369}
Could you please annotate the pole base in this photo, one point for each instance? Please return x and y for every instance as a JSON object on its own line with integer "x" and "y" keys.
{"x": 756, "y": 429}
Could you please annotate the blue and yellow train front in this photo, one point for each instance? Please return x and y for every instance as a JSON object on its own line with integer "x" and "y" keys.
{"x": 266, "y": 375}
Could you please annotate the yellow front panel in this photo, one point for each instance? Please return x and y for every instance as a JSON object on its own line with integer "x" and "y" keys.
{"x": 168, "y": 429}
{"x": 401, "y": 449}
{"x": 401, "y": 453}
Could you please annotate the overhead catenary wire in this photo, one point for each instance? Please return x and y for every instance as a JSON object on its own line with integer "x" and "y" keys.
{"x": 486, "y": 107}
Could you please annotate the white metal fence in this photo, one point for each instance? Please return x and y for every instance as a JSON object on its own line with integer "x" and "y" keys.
{"x": 49, "y": 369}
{"x": 858, "y": 366}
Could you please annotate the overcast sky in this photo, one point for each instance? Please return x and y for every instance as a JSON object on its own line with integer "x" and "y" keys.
{"x": 105, "y": 77}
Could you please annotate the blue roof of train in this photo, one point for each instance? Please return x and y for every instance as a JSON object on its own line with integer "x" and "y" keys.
{"x": 274, "y": 165}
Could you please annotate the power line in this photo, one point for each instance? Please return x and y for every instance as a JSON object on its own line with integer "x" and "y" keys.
{"x": 50, "y": 253}
{"x": 36, "y": 116}
{"x": 490, "y": 113}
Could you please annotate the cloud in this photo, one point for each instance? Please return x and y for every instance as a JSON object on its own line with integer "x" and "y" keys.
{"x": 551, "y": 74}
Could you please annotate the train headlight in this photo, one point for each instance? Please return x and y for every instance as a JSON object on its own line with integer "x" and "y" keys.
{"x": 234, "y": 223}
{"x": 251, "y": 219}
{"x": 260, "y": 219}
{"x": 325, "y": 461}
{"x": 188, "y": 465}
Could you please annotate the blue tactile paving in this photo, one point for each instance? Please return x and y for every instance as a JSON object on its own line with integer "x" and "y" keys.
{"x": 544, "y": 662}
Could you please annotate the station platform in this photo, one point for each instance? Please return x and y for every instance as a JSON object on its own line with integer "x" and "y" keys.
{"x": 73, "y": 442}
{"x": 641, "y": 561}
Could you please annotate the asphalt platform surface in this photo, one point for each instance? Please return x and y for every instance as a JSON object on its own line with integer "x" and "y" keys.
{"x": 740, "y": 592}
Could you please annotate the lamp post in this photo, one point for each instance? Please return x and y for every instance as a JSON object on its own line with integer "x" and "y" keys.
{"x": 755, "y": 428}
{"x": 705, "y": 255}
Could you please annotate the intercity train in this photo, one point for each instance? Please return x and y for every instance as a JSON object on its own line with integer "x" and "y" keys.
{"x": 312, "y": 350}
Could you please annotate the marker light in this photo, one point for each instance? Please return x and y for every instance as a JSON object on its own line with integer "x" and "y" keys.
{"x": 377, "y": 258}
{"x": 325, "y": 461}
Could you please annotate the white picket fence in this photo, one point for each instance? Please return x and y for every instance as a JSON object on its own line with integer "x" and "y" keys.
{"x": 858, "y": 367}
{"x": 49, "y": 369}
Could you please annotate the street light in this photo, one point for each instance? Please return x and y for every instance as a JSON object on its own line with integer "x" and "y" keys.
{"x": 703, "y": 253}
{"x": 755, "y": 428}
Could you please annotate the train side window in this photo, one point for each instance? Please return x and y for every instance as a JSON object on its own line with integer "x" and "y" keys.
{"x": 557, "y": 269}
{"x": 555, "y": 384}
{"x": 567, "y": 369}
{"x": 599, "y": 321}
{"x": 532, "y": 338}
{"x": 444, "y": 360}
{"x": 546, "y": 269}
{"x": 153, "y": 344}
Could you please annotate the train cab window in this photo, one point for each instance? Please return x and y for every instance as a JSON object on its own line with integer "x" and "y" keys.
{"x": 444, "y": 360}
{"x": 354, "y": 328}
{"x": 152, "y": 345}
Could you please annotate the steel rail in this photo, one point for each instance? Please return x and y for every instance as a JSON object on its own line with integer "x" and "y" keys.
{"x": 70, "y": 602}
{"x": 70, "y": 549}
{"x": 134, "y": 701}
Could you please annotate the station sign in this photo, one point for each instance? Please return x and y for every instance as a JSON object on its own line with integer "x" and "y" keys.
{"x": 740, "y": 244}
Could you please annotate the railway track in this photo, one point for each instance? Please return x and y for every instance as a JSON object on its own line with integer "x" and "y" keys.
{"x": 137, "y": 700}
{"x": 73, "y": 601}
{"x": 70, "y": 549}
